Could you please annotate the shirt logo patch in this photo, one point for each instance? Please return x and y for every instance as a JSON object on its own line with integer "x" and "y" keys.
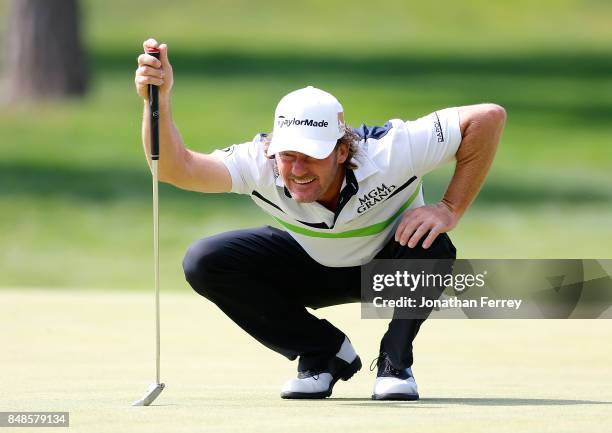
{"x": 376, "y": 195}
{"x": 438, "y": 129}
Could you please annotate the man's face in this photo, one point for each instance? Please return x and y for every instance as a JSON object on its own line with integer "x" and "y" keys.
{"x": 309, "y": 179}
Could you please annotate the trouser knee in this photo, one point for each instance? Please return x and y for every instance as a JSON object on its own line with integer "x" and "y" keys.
{"x": 201, "y": 266}
{"x": 443, "y": 248}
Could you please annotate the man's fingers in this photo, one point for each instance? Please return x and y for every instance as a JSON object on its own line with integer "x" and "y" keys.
{"x": 416, "y": 222}
{"x": 400, "y": 229}
{"x": 163, "y": 50}
{"x": 149, "y": 71}
{"x": 431, "y": 237}
{"x": 402, "y": 225}
{"x": 149, "y": 60}
{"x": 408, "y": 230}
{"x": 149, "y": 43}
{"x": 418, "y": 234}
{"x": 144, "y": 80}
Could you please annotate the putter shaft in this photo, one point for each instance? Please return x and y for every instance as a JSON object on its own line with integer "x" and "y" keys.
{"x": 156, "y": 266}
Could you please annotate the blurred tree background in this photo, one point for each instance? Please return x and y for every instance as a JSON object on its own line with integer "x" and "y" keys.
{"x": 45, "y": 56}
{"x": 75, "y": 200}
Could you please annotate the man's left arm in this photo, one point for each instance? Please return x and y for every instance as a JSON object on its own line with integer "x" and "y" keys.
{"x": 481, "y": 128}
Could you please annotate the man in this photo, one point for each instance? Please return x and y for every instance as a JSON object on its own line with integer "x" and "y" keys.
{"x": 344, "y": 197}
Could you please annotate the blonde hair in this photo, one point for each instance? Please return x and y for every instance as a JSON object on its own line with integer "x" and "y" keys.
{"x": 350, "y": 138}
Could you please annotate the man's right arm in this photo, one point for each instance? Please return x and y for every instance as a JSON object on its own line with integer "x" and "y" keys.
{"x": 177, "y": 165}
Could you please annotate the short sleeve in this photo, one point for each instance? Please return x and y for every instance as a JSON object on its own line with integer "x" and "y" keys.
{"x": 433, "y": 139}
{"x": 243, "y": 161}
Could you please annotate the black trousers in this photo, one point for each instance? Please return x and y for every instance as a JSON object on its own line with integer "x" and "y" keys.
{"x": 263, "y": 280}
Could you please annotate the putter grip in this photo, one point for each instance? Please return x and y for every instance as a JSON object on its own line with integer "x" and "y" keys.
{"x": 154, "y": 111}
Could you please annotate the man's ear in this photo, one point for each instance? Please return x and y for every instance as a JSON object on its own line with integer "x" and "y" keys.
{"x": 342, "y": 152}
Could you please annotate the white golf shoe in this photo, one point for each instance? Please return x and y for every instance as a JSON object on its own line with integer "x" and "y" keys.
{"x": 392, "y": 383}
{"x": 318, "y": 384}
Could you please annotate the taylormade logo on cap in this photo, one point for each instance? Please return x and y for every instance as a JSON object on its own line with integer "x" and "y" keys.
{"x": 283, "y": 122}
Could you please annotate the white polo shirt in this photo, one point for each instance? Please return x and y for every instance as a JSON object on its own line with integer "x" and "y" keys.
{"x": 391, "y": 162}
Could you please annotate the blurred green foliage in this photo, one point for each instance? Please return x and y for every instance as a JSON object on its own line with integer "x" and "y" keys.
{"x": 75, "y": 189}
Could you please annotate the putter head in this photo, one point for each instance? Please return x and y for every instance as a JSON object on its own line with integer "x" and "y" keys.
{"x": 152, "y": 392}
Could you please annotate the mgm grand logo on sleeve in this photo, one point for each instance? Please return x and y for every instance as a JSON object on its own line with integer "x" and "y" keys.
{"x": 374, "y": 196}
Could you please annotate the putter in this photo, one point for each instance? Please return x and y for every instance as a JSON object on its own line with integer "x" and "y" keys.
{"x": 155, "y": 388}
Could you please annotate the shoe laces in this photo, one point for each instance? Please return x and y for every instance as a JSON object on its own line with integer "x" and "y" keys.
{"x": 309, "y": 373}
{"x": 383, "y": 359}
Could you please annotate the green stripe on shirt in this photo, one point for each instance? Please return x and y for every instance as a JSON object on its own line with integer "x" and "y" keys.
{"x": 364, "y": 231}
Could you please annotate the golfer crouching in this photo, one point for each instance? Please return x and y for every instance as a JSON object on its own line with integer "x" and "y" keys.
{"x": 343, "y": 197}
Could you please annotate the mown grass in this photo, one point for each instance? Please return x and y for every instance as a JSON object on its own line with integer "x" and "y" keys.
{"x": 75, "y": 189}
{"x": 511, "y": 375}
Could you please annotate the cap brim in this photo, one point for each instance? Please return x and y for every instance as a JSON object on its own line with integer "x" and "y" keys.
{"x": 314, "y": 148}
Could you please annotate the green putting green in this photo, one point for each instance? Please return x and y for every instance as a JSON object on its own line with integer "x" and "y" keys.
{"x": 91, "y": 353}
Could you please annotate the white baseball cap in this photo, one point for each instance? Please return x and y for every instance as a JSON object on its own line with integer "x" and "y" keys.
{"x": 309, "y": 121}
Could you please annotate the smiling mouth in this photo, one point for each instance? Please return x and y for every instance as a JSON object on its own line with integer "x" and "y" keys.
{"x": 303, "y": 181}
